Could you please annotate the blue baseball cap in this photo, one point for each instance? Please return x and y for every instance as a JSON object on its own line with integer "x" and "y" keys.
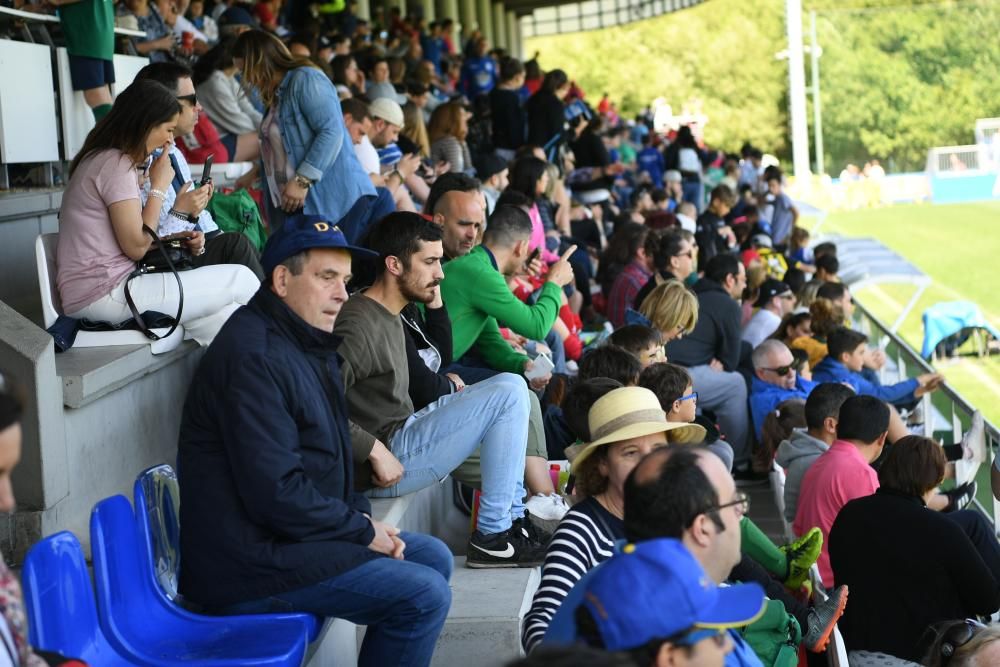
{"x": 303, "y": 232}
{"x": 656, "y": 589}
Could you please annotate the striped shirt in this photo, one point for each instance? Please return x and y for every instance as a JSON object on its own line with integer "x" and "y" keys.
{"x": 585, "y": 537}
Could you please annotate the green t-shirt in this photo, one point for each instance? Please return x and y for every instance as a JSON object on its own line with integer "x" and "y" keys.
{"x": 89, "y": 28}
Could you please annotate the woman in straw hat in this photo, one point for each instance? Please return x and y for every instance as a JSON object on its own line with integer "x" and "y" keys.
{"x": 625, "y": 424}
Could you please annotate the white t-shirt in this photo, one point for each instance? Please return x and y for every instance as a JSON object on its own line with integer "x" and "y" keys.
{"x": 761, "y": 325}
{"x": 367, "y": 156}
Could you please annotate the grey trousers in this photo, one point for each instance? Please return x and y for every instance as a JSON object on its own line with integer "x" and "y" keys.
{"x": 725, "y": 394}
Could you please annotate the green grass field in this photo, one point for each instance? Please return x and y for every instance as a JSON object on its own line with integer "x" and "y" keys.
{"x": 958, "y": 246}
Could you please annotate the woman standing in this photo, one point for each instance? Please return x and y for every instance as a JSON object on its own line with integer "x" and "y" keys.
{"x": 303, "y": 141}
{"x": 545, "y": 108}
{"x": 104, "y": 229}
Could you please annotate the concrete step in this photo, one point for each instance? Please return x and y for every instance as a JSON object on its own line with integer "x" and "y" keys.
{"x": 484, "y": 624}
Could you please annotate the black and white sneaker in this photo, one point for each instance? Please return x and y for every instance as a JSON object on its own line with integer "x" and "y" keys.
{"x": 507, "y": 549}
{"x": 531, "y": 531}
{"x": 960, "y": 497}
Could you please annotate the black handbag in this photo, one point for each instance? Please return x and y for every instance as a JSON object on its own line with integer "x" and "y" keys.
{"x": 161, "y": 257}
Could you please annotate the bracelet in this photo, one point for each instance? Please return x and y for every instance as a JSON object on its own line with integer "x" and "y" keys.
{"x": 159, "y": 194}
{"x": 180, "y": 215}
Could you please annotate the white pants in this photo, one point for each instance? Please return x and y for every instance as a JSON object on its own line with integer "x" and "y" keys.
{"x": 211, "y": 295}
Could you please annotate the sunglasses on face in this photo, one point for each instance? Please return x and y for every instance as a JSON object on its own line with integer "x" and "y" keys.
{"x": 191, "y": 99}
{"x": 781, "y": 371}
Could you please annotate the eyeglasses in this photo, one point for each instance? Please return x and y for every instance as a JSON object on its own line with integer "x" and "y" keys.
{"x": 742, "y": 504}
{"x": 781, "y": 371}
{"x": 191, "y": 99}
{"x": 689, "y": 254}
{"x": 693, "y": 396}
{"x": 957, "y": 636}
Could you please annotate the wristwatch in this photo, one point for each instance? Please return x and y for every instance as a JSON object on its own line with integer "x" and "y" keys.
{"x": 302, "y": 181}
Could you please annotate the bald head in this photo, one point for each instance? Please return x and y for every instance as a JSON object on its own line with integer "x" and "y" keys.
{"x": 461, "y": 216}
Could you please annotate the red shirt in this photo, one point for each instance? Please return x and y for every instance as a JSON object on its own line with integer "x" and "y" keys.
{"x": 201, "y": 143}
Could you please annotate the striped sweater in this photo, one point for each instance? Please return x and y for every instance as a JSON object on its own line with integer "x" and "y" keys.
{"x": 585, "y": 537}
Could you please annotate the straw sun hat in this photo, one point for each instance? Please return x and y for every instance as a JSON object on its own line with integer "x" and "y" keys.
{"x": 631, "y": 412}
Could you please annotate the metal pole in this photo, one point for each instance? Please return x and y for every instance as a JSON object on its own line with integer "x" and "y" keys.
{"x": 817, "y": 109}
{"x": 797, "y": 91}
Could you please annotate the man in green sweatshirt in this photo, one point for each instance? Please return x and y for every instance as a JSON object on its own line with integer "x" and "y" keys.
{"x": 478, "y": 298}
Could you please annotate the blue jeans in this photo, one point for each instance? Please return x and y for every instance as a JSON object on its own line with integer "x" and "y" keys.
{"x": 403, "y": 603}
{"x": 491, "y": 415}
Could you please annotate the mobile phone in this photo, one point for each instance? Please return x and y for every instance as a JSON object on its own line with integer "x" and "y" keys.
{"x": 541, "y": 367}
{"x": 206, "y": 173}
{"x": 534, "y": 255}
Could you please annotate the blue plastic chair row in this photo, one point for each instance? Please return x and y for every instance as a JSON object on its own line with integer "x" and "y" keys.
{"x": 136, "y": 620}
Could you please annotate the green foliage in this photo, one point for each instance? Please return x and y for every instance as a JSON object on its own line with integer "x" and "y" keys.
{"x": 897, "y": 76}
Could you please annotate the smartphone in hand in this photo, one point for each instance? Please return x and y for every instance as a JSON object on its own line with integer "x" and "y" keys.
{"x": 206, "y": 172}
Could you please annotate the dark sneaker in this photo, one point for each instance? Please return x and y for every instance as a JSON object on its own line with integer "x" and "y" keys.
{"x": 801, "y": 554}
{"x": 507, "y": 549}
{"x": 960, "y": 497}
{"x": 531, "y": 531}
{"x": 822, "y": 619}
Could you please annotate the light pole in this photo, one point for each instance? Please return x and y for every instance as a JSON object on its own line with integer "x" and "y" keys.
{"x": 814, "y": 53}
{"x": 797, "y": 90}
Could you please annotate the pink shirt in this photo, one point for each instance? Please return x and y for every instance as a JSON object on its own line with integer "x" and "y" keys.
{"x": 538, "y": 236}
{"x": 89, "y": 261}
{"x": 839, "y": 475}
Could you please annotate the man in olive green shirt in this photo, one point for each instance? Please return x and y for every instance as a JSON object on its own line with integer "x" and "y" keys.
{"x": 89, "y": 29}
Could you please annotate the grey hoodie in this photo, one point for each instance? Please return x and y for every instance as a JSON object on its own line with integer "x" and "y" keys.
{"x": 795, "y": 455}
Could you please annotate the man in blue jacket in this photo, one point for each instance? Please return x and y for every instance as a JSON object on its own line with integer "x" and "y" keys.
{"x": 774, "y": 381}
{"x": 269, "y": 516}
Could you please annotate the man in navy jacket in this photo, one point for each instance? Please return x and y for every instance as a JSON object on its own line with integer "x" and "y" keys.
{"x": 269, "y": 516}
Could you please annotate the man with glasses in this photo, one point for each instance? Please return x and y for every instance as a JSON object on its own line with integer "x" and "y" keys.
{"x": 775, "y": 380}
{"x": 183, "y": 211}
{"x": 774, "y": 302}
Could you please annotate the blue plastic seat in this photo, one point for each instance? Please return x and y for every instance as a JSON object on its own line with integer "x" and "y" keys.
{"x": 59, "y": 600}
{"x": 157, "y": 498}
{"x": 138, "y": 620}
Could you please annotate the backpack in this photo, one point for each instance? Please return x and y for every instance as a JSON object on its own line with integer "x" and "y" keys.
{"x": 775, "y": 636}
{"x": 237, "y": 212}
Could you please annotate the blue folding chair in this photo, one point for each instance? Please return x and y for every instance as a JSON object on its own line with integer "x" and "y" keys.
{"x": 156, "y": 495}
{"x": 138, "y": 620}
{"x": 62, "y": 616}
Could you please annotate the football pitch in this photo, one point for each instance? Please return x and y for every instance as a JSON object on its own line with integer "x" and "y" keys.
{"x": 958, "y": 246}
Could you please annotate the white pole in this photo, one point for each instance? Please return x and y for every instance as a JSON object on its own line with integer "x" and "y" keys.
{"x": 814, "y": 54}
{"x": 797, "y": 90}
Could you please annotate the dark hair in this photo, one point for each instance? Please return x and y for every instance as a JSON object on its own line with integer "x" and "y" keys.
{"x": 795, "y": 279}
{"x": 825, "y": 248}
{"x": 789, "y": 320}
{"x": 723, "y": 194}
{"x": 338, "y": 67}
{"x": 830, "y": 264}
{"x": 621, "y": 248}
{"x": 913, "y": 465}
{"x": 508, "y": 225}
{"x": 525, "y": 173}
{"x": 578, "y": 401}
{"x": 668, "y": 246}
{"x": 610, "y": 361}
{"x": 824, "y": 401}
{"x": 401, "y": 234}
{"x": 667, "y": 381}
{"x": 862, "y": 418}
{"x": 643, "y": 656}
{"x": 356, "y": 108}
{"x": 510, "y": 68}
{"x": 685, "y": 138}
{"x": 831, "y": 291}
{"x": 721, "y": 266}
{"x": 635, "y": 338}
{"x": 136, "y": 111}
{"x": 218, "y": 57}
{"x": 554, "y": 80}
{"x": 843, "y": 340}
{"x": 779, "y": 424}
{"x": 668, "y": 503}
{"x": 165, "y": 74}
{"x": 11, "y": 404}
{"x": 449, "y": 182}
{"x": 513, "y": 198}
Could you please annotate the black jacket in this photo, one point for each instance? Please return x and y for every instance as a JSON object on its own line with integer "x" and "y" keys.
{"x": 545, "y": 117}
{"x": 706, "y": 234}
{"x": 265, "y": 464}
{"x": 509, "y": 123}
{"x": 717, "y": 333}
{"x": 427, "y": 332}
{"x": 650, "y": 285}
{"x": 906, "y": 567}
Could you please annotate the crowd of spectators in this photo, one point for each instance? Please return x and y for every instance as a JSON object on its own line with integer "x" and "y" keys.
{"x": 471, "y": 271}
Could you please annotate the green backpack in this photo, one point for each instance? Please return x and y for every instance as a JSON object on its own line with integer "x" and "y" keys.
{"x": 775, "y": 636}
{"x": 238, "y": 212}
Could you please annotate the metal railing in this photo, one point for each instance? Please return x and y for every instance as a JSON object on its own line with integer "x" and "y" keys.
{"x": 947, "y": 414}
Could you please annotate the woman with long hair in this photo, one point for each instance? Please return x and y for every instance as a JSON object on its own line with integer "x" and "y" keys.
{"x": 415, "y": 129}
{"x": 825, "y": 317}
{"x": 347, "y": 76}
{"x": 447, "y": 131}
{"x": 672, "y": 309}
{"x": 309, "y": 163}
{"x": 545, "y": 108}
{"x": 104, "y": 229}
{"x": 220, "y": 94}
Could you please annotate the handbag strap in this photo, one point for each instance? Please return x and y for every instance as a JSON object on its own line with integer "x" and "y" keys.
{"x": 139, "y": 323}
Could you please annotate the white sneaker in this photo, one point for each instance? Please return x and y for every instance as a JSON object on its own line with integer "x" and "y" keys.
{"x": 974, "y": 440}
{"x": 549, "y": 507}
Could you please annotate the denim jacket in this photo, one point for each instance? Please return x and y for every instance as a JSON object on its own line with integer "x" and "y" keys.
{"x": 314, "y": 135}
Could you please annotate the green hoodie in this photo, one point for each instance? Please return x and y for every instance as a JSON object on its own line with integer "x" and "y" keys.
{"x": 477, "y": 297}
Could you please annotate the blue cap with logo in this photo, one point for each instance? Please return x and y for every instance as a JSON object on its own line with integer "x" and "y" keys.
{"x": 304, "y": 232}
{"x": 656, "y": 590}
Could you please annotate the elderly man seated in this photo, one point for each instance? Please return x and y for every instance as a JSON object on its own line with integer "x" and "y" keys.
{"x": 774, "y": 380}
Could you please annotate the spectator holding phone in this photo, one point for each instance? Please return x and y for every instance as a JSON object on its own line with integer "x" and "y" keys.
{"x": 104, "y": 228}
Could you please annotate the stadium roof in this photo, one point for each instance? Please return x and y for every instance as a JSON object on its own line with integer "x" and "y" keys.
{"x": 553, "y": 17}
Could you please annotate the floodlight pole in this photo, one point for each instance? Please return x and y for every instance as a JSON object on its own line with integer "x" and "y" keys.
{"x": 797, "y": 90}
{"x": 814, "y": 53}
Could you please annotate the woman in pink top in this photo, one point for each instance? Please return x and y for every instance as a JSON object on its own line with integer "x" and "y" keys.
{"x": 528, "y": 176}
{"x": 102, "y": 221}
